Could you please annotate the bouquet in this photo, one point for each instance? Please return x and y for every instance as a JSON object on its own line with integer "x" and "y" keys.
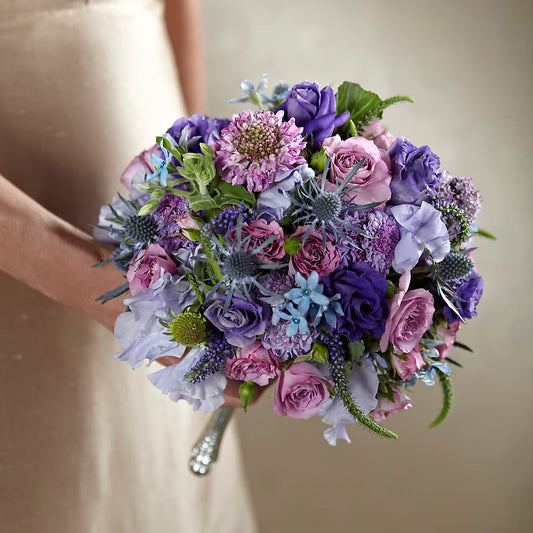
{"x": 298, "y": 244}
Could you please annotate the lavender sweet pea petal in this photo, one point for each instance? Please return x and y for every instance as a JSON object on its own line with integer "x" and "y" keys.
{"x": 336, "y": 432}
{"x": 207, "y": 394}
{"x": 424, "y": 225}
{"x": 273, "y": 203}
{"x": 363, "y": 384}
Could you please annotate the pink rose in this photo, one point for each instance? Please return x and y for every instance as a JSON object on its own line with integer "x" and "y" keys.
{"x": 377, "y": 132}
{"x": 410, "y": 316}
{"x": 253, "y": 363}
{"x": 448, "y": 337}
{"x": 385, "y": 407}
{"x": 407, "y": 369}
{"x": 260, "y": 230}
{"x": 313, "y": 256}
{"x": 301, "y": 391}
{"x": 146, "y": 268}
{"x": 139, "y": 166}
{"x": 373, "y": 177}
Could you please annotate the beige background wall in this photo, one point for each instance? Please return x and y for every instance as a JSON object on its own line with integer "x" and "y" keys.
{"x": 467, "y": 64}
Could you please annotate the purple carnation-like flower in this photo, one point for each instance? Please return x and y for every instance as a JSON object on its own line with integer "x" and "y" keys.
{"x": 362, "y": 300}
{"x": 256, "y": 146}
{"x": 458, "y": 191}
{"x": 284, "y": 347}
{"x": 468, "y": 292}
{"x": 413, "y": 172}
{"x": 314, "y": 110}
{"x": 243, "y": 320}
{"x": 197, "y": 129}
{"x": 171, "y": 210}
{"x": 376, "y": 246}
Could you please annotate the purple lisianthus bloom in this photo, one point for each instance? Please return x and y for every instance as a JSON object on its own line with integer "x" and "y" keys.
{"x": 468, "y": 292}
{"x": 139, "y": 331}
{"x": 414, "y": 172}
{"x": 274, "y": 203}
{"x": 363, "y": 384}
{"x": 207, "y": 394}
{"x": 363, "y": 301}
{"x": 197, "y": 129}
{"x": 314, "y": 110}
{"x": 421, "y": 227}
{"x": 243, "y": 320}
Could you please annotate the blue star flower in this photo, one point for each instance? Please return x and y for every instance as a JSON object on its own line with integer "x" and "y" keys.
{"x": 309, "y": 291}
{"x": 160, "y": 166}
{"x": 298, "y": 322}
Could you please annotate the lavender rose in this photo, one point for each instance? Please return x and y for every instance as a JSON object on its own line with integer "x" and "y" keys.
{"x": 410, "y": 316}
{"x": 147, "y": 267}
{"x": 198, "y": 129}
{"x": 253, "y": 363}
{"x": 407, "y": 368}
{"x": 468, "y": 292}
{"x": 259, "y": 231}
{"x": 313, "y": 256}
{"x": 301, "y": 391}
{"x": 413, "y": 172}
{"x": 373, "y": 177}
{"x": 242, "y": 322}
{"x": 363, "y": 300}
{"x": 385, "y": 407}
{"x": 314, "y": 110}
{"x": 378, "y": 133}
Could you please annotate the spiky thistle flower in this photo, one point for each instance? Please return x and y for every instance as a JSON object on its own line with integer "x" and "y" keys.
{"x": 131, "y": 231}
{"x": 323, "y": 209}
{"x": 235, "y": 266}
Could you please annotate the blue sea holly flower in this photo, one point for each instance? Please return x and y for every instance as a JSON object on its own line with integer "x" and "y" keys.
{"x": 298, "y": 322}
{"x": 308, "y": 291}
{"x": 160, "y": 166}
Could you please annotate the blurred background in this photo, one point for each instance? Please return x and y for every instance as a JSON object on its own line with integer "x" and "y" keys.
{"x": 467, "y": 64}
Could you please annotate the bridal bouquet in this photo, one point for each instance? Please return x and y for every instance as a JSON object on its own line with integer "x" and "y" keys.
{"x": 298, "y": 243}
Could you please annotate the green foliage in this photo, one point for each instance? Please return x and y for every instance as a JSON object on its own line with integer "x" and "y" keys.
{"x": 320, "y": 353}
{"x": 363, "y": 106}
{"x": 356, "y": 350}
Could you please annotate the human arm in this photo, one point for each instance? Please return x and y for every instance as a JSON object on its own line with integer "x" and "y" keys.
{"x": 184, "y": 27}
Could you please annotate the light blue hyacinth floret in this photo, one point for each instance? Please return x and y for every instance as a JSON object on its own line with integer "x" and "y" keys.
{"x": 311, "y": 306}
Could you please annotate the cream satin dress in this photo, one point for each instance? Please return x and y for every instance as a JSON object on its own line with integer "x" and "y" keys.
{"x": 86, "y": 444}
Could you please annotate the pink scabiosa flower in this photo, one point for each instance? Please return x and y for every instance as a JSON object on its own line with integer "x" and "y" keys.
{"x": 256, "y": 146}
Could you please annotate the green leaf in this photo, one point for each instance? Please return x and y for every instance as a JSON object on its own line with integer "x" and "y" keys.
{"x": 192, "y": 234}
{"x": 363, "y": 105}
{"x": 148, "y": 207}
{"x": 320, "y": 353}
{"x": 446, "y": 383}
{"x": 236, "y": 193}
{"x": 356, "y": 350}
{"x": 318, "y": 160}
{"x": 484, "y": 233}
{"x": 458, "y": 344}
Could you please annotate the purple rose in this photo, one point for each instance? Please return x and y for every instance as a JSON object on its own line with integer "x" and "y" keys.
{"x": 147, "y": 267}
{"x": 363, "y": 300}
{"x": 385, "y": 407}
{"x": 413, "y": 172}
{"x": 253, "y": 363}
{"x": 314, "y": 110}
{"x": 301, "y": 391}
{"x": 200, "y": 129}
{"x": 313, "y": 256}
{"x": 468, "y": 292}
{"x": 242, "y": 322}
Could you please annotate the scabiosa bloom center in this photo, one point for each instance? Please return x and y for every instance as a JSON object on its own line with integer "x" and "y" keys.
{"x": 256, "y": 147}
